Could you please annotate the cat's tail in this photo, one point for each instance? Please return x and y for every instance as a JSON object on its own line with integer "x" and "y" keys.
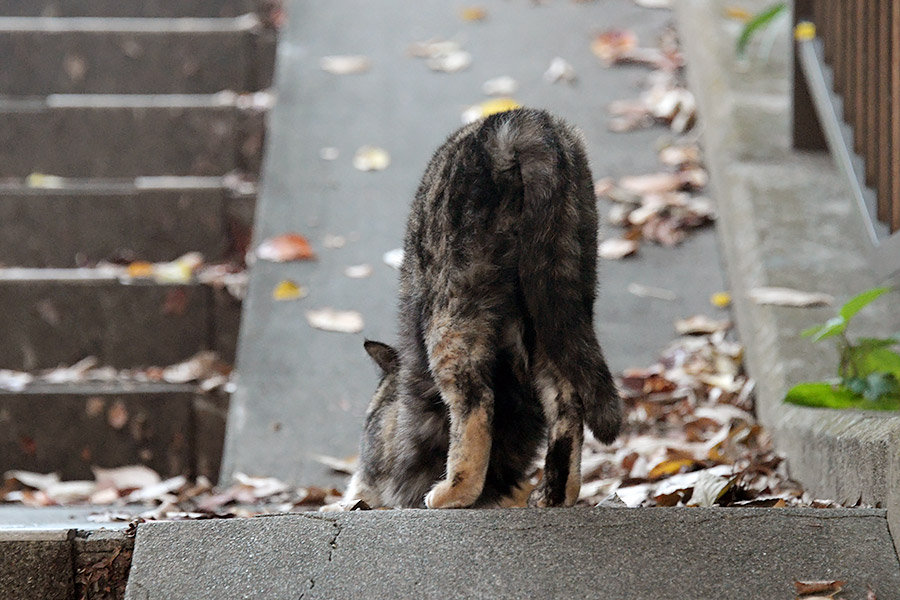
{"x": 542, "y": 161}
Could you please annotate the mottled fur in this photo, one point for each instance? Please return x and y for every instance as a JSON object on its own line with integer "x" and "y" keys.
{"x": 497, "y": 349}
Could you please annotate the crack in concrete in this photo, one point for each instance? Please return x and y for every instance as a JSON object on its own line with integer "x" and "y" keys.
{"x": 332, "y": 545}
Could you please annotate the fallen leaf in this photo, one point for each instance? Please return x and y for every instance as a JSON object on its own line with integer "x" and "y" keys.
{"x": 434, "y": 48}
{"x": 679, "y": 156}
{"x": 670, "y": 467}
{"x": 500, "y": 86}
{"x": 117, "y": 415}
{"x": 288, "y": 290}
{"x": 14, "y": 381}
{"x": 350, "y": 64}
{"x": 612, "y": 44}
{"x": 140, "y": 269}
{"x": 829, "y": 587}
{"x": 341, "y": 465}
{"x": 615, "y": 248}
{"x": 125, "y": 478}
{"x": 393, "y": 258}
{"x": 472, "y": 13}
{"x": 646, "y": 291}
{"x": 358, "y": 271}
{"x": 560, "y": 70}
{"x": 487, "y": 108}
{"x": 738, "y": 14}
{"x": 334, "y": 241}
{"x": 780, "y": 296}
{"x": 180, "y": 270}
{"x": 700, "y": 324}
{"x": 709, "y": 488}
{"x": 202, "y": 365}
{"x": 654, "y": 3}
{"x": 720, "y": 299}
{"x": 450, "y": 62}
{"x": 286, "y": 247}
{"x": 341, "y": 321}
{"x": 371, "y": 158}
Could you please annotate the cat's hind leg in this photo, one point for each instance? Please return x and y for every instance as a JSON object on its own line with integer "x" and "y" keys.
{"x": 561, "y": 483}
{"x": 461, "y": 352}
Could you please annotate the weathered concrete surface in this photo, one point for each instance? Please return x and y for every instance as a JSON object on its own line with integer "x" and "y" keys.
{"x": 125, "y": 8}
{"x": 128, "y": 136}
{"x": 51, "y": 322}
{"x": 36, "y": 565}
{"x": 60, "y": 562}
{"x": 100, "y": 56}
{"x": 67, "y": 429}
{"x": 555, "y": 553}
{"x": 80, "y": 226}
{"x": 787, "y": 219}
{"x": 304, "y": 391}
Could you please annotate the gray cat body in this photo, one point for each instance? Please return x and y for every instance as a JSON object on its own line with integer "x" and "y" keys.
{"x": 497, "y": 354}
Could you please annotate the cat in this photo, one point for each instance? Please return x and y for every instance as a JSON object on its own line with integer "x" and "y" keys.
{"x": 497, "y": 354}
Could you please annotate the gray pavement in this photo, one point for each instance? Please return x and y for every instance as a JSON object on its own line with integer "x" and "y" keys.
{"x": 303, "y": 391}
{"x": 534, "y": 553}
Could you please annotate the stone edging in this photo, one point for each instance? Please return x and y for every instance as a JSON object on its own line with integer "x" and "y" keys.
{"x": 785, "y": 219}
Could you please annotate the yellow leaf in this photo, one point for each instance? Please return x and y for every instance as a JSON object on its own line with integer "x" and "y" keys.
{"x": 140, "y": 268}
{"x": 738, "y": 14}
{"x": 473, "y": 13}
{"x": 669, "y": 467}
{"x": 489, "y": 107}
{"x": 720, "y": 299}
{"x": 288, "y": 290}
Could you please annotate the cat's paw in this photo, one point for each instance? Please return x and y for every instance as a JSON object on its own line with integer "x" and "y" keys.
{"x": 446, "y": 495}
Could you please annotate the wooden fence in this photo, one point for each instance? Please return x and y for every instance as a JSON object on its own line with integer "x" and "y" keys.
{"x": 862, "y": 46}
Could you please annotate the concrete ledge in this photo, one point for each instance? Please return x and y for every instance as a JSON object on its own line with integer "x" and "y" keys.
{"x": 49, "y": 318}
{"x": 128, "y": 56}
{"x": 787, "y": 219}
{"x": 125, "y": 8}
{"x": 129, "y": 136}
{"x": 62, "y": 563}
{"x": 529, "y": 553}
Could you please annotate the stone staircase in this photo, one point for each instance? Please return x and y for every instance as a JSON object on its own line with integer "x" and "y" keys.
{"x": 129, "y": 130}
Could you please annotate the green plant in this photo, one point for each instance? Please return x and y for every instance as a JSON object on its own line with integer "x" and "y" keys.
{"x": 757, "y": 22}
{"x": 869, "y": 368}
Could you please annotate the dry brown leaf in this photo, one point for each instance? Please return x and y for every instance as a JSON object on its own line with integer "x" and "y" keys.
{"x": 611, "y": 45}
{"x": 285, "y": 247}
{"x": 830, "y": 587}
{"x": 125, "y": 478}
{"x": 288, "y": 290}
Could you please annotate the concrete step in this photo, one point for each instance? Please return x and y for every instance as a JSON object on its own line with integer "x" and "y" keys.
{"x": 531, "y": 553}
{"x": 125, "y": 8}
{"x": 78, "y": 222}
{"x": 134, "y": 56}
{"x": 59, "y": 316}
{"x": 67, "y": 428}
{"x": 131, "y": 135}
{"x": 63, "y": 563}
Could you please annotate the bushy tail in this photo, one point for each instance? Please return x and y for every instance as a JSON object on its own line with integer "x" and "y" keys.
{"x": 544, "y": 158}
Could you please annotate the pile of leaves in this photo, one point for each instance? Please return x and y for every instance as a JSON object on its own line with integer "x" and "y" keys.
{"x": 138, "y": 492}
{"x": 690, "y": 437}
{"x": 657, "y": 207}
{"x": 869, "y": 367}
{"x": 204, "y": 368}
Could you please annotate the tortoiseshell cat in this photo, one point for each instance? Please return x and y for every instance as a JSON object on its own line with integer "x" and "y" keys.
{"x": 497, "y": 348}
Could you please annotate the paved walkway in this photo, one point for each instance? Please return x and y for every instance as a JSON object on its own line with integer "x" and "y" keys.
{"x": 302, "y": 391}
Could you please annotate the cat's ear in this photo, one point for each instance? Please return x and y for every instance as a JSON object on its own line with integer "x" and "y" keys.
{"x": 386, "y": 357}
